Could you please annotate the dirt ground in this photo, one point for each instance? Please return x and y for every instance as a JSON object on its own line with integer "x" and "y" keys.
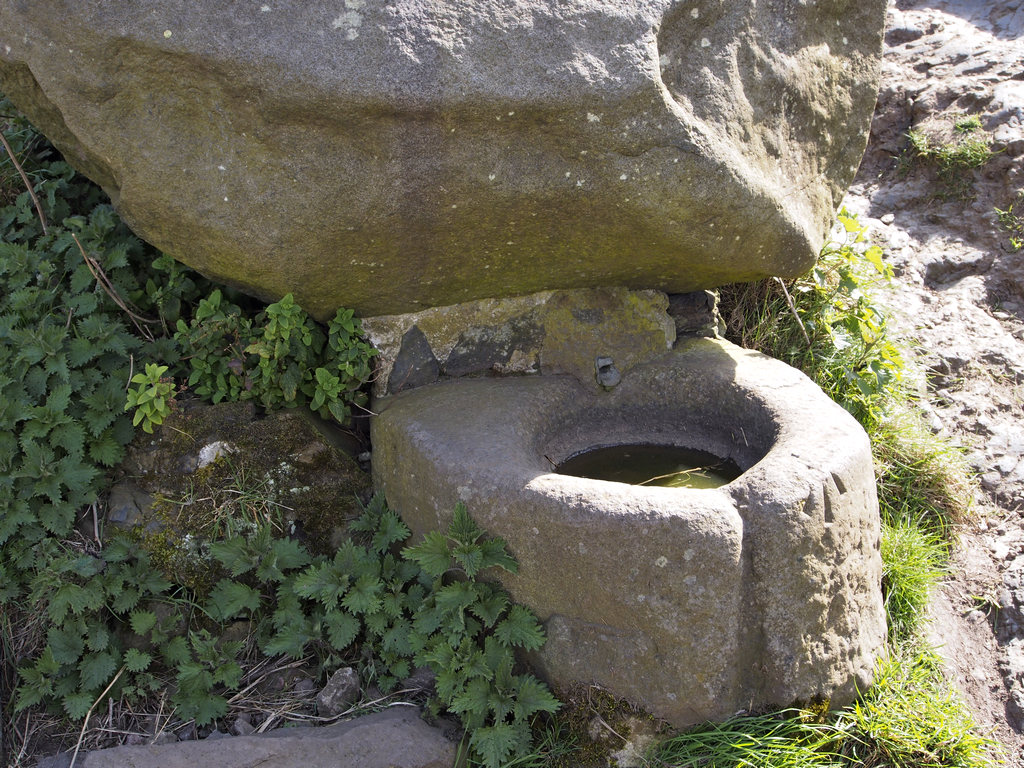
{"x": 959, "y": 298}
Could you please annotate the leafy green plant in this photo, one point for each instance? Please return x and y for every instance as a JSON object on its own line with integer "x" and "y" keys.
{"x": 478, "y": 681}
{"x": 280, "y": 357}
{"x": 152, "y": 398}
{"x": 826, "y": 323}
{"x": 1013, "y": 222}
{"x": 422, "y": 607}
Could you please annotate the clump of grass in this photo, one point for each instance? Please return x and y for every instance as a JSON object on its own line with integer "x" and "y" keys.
{"x": 1013, "y": 222}
{"x": 788, "y": 739}
{"x": 967, "y": 124}
{"x": 912, "y": 718}
{"x": 913, "y": 562}
{"x": 953, "y": 160}
{"x": 921, "y": 478}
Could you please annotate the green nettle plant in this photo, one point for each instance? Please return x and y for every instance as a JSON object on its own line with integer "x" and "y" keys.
{"x": 476, "y": 679}
{"x": 152, "y": 399}
{"x": 279, "y": 358}
{"x": 423, "y": 606}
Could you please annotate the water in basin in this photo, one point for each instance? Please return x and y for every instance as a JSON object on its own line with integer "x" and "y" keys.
{"x": 661, "y": 465}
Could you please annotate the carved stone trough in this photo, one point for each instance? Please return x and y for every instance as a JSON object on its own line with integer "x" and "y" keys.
{"x": 695, "y": 604}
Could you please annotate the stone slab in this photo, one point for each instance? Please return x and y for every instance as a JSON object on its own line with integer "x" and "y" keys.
{"x": 395, "y": 738}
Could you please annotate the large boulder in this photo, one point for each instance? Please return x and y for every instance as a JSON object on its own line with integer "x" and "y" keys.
{"x": 391, "y": 156}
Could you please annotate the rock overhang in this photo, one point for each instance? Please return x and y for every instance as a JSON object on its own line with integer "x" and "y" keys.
{"x": 391, "y": 157}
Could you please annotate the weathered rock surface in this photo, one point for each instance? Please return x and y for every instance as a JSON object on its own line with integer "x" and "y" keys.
{"x": 694, "y": 604}
{"x": 547, "y": 332}
{"x": 341, "y": 691}
{"x": 395, "y": 738}
{"x": 391, "y": 156}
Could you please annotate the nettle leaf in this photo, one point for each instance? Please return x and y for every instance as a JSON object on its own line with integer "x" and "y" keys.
{"x": 390, "y": 530}
{"x": 323, "y": 583}
{"x": 376, "y": 623}
{"x": 473, "y": 700}
{"x": 204, "y": 708}
{"x": 66, "y": 644}
{"x": 231, "y": 598}
{"x": 431, "y": 554}
{"x": 469, "y": 557}
{"x": 495, "y": 555}
{"x": 96, "y": 668}
{"x": 234, "y": 554}
{"x": 290, "y": 640}
{"x": 193, "y": 677}
{"x": 449, "y": 683}
{"x": 363, "y": 597}
{"x": 520, "y": 629}
{"x": 463, "y": 528}
{"x": 99, "y": 636}
{"x": 284, "y": 555}
{"x": 126, "y": 599}
{"x": 456, "y": 597}
{"x": 118, "y": 550}
{"x": 490, "y": 607}
{"x": 176, "y": 651}
{"x": 428, "y": 618}
{"x": 533, "y": 696}
{"x": 396, "y": 639}
{"x": 105, "y": 450}
{"x": 77, "y": 705}
{"x": 342, "y": 628}
{"x": 494, "y": 744}
{"x": 355, "y": 560}
{"x": 142, "y": 621}
{"x": 70, "y": 596}
{"x": 501, "y": 703}
{"x": 136, "y": 660}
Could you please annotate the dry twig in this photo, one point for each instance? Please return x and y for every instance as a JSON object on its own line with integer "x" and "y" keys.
{"x": 97, "y": 272}
{"x": 25, "y": 180}
{"x": 792, "y": 308}
{"x": 85, "y": 722}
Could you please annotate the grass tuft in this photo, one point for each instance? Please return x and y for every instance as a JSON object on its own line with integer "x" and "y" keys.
{"x": 913, "y": 562}
{"x": 955, "y": 160}
{"x": 912, "y": 718}
{"x": 788, "y": 739}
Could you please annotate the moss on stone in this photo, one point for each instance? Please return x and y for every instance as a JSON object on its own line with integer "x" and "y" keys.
{"x": 599, "y": 724}
{"x": 277, "y": 470}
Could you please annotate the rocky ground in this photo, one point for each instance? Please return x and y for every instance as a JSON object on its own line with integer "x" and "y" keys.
{"x": 959, "y": 296}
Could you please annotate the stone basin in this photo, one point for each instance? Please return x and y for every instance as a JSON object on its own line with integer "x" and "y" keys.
{"x": 694, "y": 604}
